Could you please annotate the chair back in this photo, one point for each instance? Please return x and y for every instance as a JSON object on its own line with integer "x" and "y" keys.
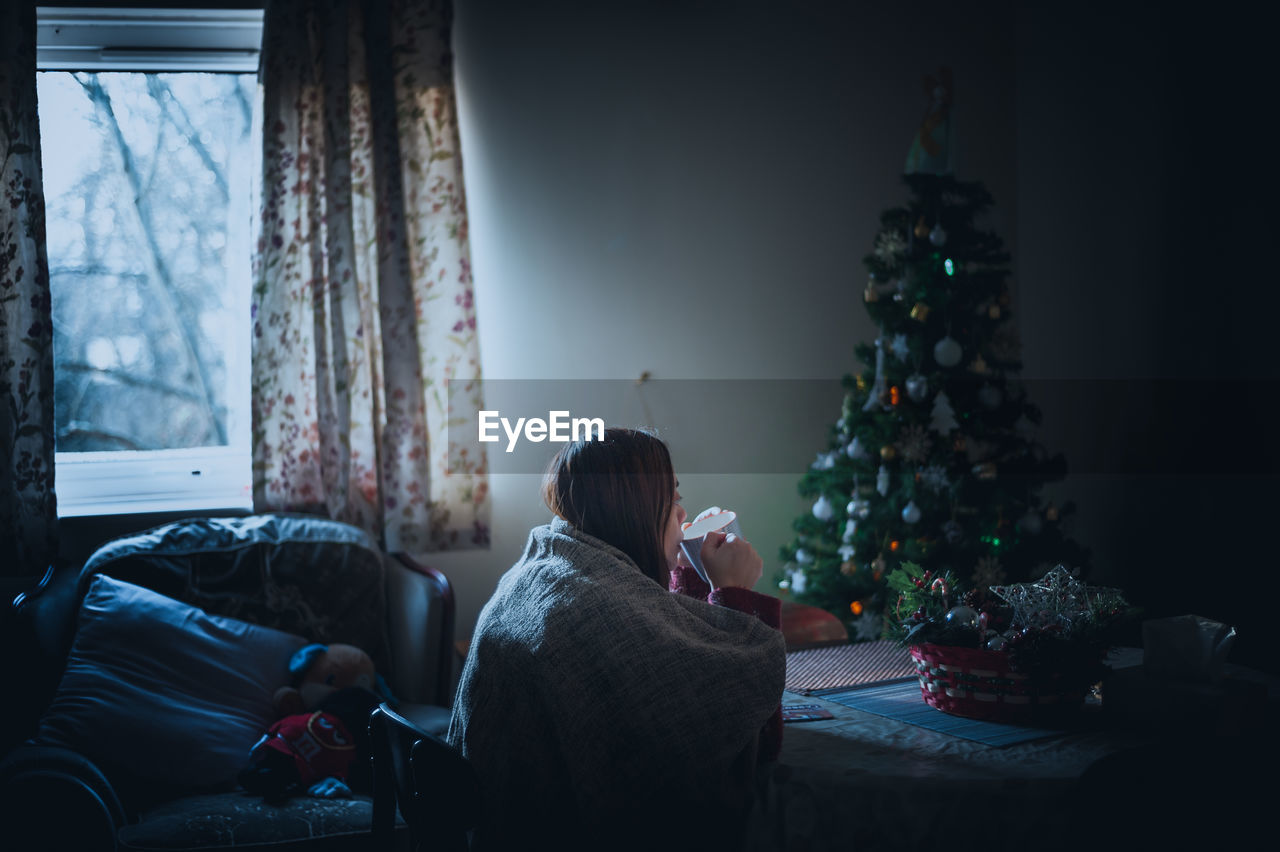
{"x": 434, "y": 786}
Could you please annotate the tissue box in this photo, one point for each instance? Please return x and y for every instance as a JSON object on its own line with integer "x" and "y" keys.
{"x": 1186, "y": 648}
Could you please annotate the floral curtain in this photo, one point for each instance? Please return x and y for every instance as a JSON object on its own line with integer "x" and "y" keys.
{"x": 28, "y": 508}
{"x": 363, "y": 307}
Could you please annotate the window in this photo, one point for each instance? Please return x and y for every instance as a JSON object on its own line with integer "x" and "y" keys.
{"x": 148, "y": 142}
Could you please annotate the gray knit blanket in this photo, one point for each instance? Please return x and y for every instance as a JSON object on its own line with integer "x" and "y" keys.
{"x": 594, "y": 700}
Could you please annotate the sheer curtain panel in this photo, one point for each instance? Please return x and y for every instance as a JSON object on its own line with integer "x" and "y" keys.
{"x": 362, "y": 307}
{"x": 28, "y": 507}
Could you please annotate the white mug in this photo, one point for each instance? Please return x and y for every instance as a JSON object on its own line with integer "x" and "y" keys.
{"x": 714, "y": 519}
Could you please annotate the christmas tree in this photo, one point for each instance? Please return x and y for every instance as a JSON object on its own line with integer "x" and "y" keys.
{"x": 933, "y": 459}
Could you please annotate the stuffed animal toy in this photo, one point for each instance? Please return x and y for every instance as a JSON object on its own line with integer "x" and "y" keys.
{"x": 320, "y": 745}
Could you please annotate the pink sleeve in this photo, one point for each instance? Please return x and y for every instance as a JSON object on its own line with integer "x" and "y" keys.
{"x": 685, "y": 581}
{"x": 764, "y": 607}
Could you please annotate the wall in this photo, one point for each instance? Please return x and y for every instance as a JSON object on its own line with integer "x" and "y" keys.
{"x": 1148, "y": 306}
{"x": 688, "y": 189}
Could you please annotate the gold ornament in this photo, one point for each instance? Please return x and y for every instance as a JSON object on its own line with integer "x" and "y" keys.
{"x": 922, "y": 230}
{"x": 848, "y": 568}
{"x": 978, "y": 365}
{"x": 888, "y": 453}
{"x": 870, "y": 295}
{"x": 920, "y": 312}
{"x": 1051, "y": 513}
{"x": 994, "y": 312}
{"x": 862, "y": 382}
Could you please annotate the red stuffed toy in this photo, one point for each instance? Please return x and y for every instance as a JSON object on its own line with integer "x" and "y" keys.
{"x": 320, "y": 743}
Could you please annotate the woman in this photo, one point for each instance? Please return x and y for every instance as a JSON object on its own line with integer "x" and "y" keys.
{"x": 601, "y": 709}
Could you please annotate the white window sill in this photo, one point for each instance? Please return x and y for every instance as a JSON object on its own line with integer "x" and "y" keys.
{"x": 154, "y": 481}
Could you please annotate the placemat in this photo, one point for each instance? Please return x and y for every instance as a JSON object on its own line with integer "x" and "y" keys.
{"x": 901, "y": 700}
{"x": 838, "y": 666}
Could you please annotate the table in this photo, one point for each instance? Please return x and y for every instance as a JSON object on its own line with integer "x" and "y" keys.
{"x": 863, "y": 781}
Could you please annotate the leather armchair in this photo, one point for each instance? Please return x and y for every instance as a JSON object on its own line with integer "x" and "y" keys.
{"x": 317, "y": 579}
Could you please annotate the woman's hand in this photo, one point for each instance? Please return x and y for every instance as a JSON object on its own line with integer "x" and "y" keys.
{"x": 730, "y": 561}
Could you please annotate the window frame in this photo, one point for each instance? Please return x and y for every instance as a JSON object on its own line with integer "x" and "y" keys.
{"x": 157, "y": 40}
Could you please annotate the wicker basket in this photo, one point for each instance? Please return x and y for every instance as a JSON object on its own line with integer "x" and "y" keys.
{"x": 981, "y": 684}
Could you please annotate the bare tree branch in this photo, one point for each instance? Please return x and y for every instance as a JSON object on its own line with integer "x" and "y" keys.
{"x": 97, "y": 435}
{"x": 167, "y": 291}
{"x": 177, "y": 114}
{"x": 133, "y": 380}
{"x": 93, "y": 269}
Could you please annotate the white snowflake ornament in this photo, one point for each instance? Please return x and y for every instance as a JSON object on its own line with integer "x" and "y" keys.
{"x": 824, "y": 461}
{"x": 934, "y": 477}
{"x": 899, "y": 347}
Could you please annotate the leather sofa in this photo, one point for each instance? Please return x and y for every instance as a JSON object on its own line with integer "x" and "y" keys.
{"x": 123, "y": 764}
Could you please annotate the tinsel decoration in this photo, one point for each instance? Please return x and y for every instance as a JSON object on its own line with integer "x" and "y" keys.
{"x": 934, "y": 477}
{"x": 878, "y": 385}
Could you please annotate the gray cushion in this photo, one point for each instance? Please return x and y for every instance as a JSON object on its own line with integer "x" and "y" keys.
{"x": 314, "y": 577}
{"x": 164, "y": 691}
{"x": 240, "y": 820}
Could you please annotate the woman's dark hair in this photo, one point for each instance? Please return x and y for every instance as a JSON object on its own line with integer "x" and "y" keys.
{"x": 620, "y": 490}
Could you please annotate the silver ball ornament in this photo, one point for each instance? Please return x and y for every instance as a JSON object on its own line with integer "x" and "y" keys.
{"x": 938, "y": 236}
{"x": 911, "y": 513}
{"x": 963, "y": 616}
{"x": 997, "y": 643}
{"x": 947, "y": 352}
